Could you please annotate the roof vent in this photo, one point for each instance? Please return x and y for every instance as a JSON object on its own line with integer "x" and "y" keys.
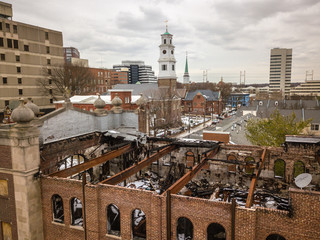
{"x": 260, "y": 103}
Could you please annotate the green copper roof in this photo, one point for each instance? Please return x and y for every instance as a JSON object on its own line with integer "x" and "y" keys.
{"x": 167, "y": 33}
{"x": 186, "y": 68}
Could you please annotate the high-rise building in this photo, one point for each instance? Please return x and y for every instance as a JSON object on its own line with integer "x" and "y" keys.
{"x": 186, "y": 77}
{"x": 280, "y": 70}
{"x": 137, "y": 72}
{"x": 25, "y": 52}
{"x": 70, "y": 52}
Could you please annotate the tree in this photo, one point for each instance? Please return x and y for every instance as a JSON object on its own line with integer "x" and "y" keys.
{"x": 59, "y": 79}
{"x": 272, "y": 131}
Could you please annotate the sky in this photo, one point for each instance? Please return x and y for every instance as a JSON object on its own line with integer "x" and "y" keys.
{"x": 222, "y": 37}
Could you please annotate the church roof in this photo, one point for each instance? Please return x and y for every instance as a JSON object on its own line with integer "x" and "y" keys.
{"x": 167, "y": 33}
{"x": 207, "y": 94}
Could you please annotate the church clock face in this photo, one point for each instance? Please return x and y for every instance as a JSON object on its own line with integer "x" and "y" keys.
{"x": 164, "y": 51}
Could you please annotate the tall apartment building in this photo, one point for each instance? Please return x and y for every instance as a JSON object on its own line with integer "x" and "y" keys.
{"x": 70, "y": 52}
{"x": 137, "y": 72}
{"x": 25, "y": 51}
{"x": 280, "y": 70}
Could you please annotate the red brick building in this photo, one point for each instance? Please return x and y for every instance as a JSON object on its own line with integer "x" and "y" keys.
{"x": 203, "y": 101}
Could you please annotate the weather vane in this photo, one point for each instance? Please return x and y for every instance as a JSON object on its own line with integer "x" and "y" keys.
{"x": 166, "y": 21}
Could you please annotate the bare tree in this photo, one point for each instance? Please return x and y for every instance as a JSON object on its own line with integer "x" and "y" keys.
{"x": 59, "y": 79}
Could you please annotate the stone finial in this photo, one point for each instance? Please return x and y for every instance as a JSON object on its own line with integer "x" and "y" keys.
{"x": 33, "y": 107}
{"x": 99, "y": 104}
{"x": 22, "y": 114}
{"x": 141, "y": 101}
{"x": 116, "y": 103}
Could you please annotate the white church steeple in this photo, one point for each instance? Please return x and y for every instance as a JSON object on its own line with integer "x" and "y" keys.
{"x": 167, "y": 61}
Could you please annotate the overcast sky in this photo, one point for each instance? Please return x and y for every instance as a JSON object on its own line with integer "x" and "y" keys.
{"x": 222, "y": 36}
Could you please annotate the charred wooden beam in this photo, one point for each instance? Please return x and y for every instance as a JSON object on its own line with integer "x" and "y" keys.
{"x": 120, "y": 177}
{"x": 178, "y": 185}
{"x": 184, "y": 143}
{"x": 91, "y": 163}
{"x": 255, "y": 180}
{"x": 237, "y": 162}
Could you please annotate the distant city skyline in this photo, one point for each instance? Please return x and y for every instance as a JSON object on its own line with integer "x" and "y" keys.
{"x": 223, "y": 37}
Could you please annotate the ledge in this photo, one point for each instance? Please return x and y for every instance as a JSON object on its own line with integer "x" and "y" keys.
{"x": 113, "y": 236}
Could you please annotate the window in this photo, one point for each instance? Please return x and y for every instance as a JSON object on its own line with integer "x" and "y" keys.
{"x": 20, "y": 91}
{"x": 18, "y": 69}
{"x": 216, "y": 232}
{"x": 49, "y": 61}
{"x": 298, "y": 168}
{"x": 113, "y": 220}
{"x": 50, "y": 91}
{"x": 57, "y": 209}
{"x": 249, "y": 165}
{"x": 19, "y": 80}
{"x": 279, "y": 168}
{"x": 76, "y": 212}
{"x": 2, "y": 57}
{"x": 9, "y": 43}
{"x": 48, "y": 49}
{"x": 1, "y": 42}
{"x": 15, "y": 29}
{"x": 47, "y": 35}
{"x": 49, "y": 71}
{"x": 164, "y": 51}
{"x": 127, "y": 100}
{"x": 138, "y": 225}
{"x": 170, "y": 41}
{"x": 172, "y": 67}
{"x": 232, "y": 167}
{"x": 15, "y": 44}
{"x": 4, "y": 184}
{"x": 6, "y": 102}
{"x": 50, "y": 81}
{"x": 164, "y": 67}
{"x": 26, "y": 48}
{"x": 164, "y": 41}
{"x": 6, "y": 231}
{"x": 51, "y": 100}
{"x": 315, "y": 127}
{"x": 184, "y": 229}
{"x": 4, "y": 80}
{"x": 8, "y": 27}
{"x": 0, "y": 25}
{"x": 275, "y": 237}
{"x": 17, "y": 58}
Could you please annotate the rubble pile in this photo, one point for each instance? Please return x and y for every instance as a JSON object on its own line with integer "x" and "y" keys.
{"x": 220, "y": 192}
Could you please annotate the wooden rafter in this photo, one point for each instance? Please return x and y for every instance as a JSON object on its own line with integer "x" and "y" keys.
{"x": 91, "y": 163}
{"x": 255, "y": 180}
{"x": 120, "y": 177}
{"x": 178, "y": 185}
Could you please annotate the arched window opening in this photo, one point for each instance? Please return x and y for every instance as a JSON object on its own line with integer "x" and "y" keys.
{"x": 76, "y": 212}
{"x": 57, "y": 209}
{"x": 298, "y": 168}
{"x": 232, "y": 167}
{"x": 275, "y": 237}
{"x": 164, "y": 41}
{"x": 190, "y": 159}
{"x": 184, "y": 229}
{"x": 279, "y": 168}
{"x": 139, "y": 231}
{"x": 113, "y": 220}
{"x": 249, "y": 165}
{"x": 216, "y": 232}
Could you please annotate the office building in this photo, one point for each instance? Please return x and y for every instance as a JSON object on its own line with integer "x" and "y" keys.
{"x": 137, "y": 72}
{"x": 280, "y": 71}
{"x": 25, "y": 52}
{"x": 308, "y": 88}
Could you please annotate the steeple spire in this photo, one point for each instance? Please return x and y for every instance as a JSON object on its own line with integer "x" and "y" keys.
{"x": 186, "y": 67}
{"x": 186, "y": 71}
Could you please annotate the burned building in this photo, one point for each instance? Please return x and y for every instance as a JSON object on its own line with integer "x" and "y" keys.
{"x": 99, "y": 182}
